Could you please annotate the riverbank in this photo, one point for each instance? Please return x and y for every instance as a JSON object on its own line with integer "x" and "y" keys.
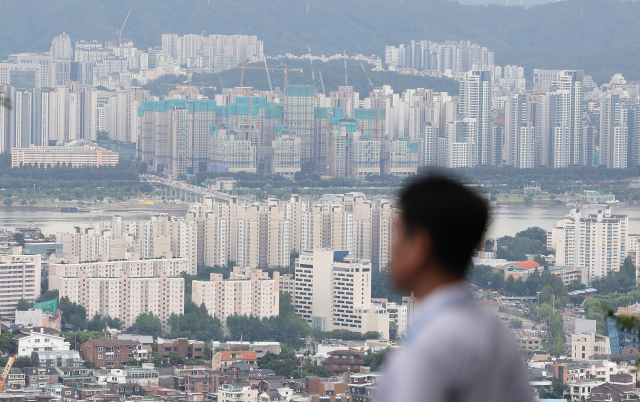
{"x": 102, "y": 208}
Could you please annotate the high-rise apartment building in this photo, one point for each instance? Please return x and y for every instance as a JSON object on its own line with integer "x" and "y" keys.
{"x": 595, "y": 243}
{"x": 333, "y": 291}
{"x": 298, "y": 117}
{"x": 246, "y": 292}
{"x": 614, "y": 131}
{"x": 61, "y": 48}
{"x": 123, "y": 289}
{"x": 20, "y": 276}
{"x": 475, "y": 103}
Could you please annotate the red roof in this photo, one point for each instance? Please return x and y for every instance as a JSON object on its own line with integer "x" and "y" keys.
{"x": 244, "y": 355}
{"x": 527, "y": 264}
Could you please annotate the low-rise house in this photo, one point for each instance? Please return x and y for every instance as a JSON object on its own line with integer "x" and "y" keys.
{"x": 223, "y": 359}
{"x": 341, "y": 361}
{"x": 146, "y": 375}
{"x": 113, "y": 376}
{"x": 15, "y": 380}
{"x": 607, "y": 393}
{"x": 580, "y": 389}
{"x": 145, "y": 340}
{"x": 126, "y": 390}
{"x": 108, "y": 353}
{"x": 583, "y": 346}
{"x": 198, "y": 384}
{"x": 39, "y": 339}
{"x": 279, "y": 395}
{"x": 40, "y": 376}
{"x": 237, "y": 392}
{"x": 62, "y": 358}
{"x": 72, "y": 376}
{"x": 189, "y": 348}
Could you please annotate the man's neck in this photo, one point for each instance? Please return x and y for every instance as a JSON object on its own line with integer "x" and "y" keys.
{"x": 433, "y": 280}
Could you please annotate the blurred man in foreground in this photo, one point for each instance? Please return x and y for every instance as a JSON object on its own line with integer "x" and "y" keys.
{"x": 455, "y": 350}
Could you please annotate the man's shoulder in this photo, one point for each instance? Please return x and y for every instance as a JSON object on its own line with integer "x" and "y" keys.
{"x": 470, "y": 325}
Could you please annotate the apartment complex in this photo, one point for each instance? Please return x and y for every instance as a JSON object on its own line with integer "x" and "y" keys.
{"x": 333, "y": 291}
{"x": 595, "y": 243}
{"x": 246, "y": 292}
{"x": 123, "y": 289}
{"x": 20, "y": 277}
{"x": 70, "y": 154}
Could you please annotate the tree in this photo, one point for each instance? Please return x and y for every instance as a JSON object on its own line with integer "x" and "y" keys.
{"x": 147, "y": 324}
{"x": 24, "y": 202}
{"x": 96, "y": 323}
{"x": 7, "y": 202}
{"x": 6, "y": 342}
{"x": 33, "y": 202}
{"x": 516, "y": 323}
{"x": 24, "y": 305}
{"x": 375, "y": 359}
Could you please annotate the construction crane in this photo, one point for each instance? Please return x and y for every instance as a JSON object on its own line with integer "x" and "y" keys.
{"x": 6, "y": 371}
{"x": 346, "y": 81}
{"x": 268, "y": 77}
{"x": 322, "y": 83}
{"x": 220, "y": 79}
{"x": 120, "y": 31}
{"x": 285, "y": 69}
{"x": 365, "y": 73}
{"x": 313, "y": 76}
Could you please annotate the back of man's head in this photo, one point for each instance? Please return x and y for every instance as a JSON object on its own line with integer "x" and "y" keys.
{"x": 454, "y": 217}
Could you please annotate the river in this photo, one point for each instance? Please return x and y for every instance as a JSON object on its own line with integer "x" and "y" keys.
{"x": 513, "y": 218}
{"x": 507, "y": 219}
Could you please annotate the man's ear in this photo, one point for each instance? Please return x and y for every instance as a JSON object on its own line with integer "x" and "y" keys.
{"x": 421, "y": 247}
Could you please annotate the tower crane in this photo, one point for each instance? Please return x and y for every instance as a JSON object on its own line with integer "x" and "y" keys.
{"x": 120, "y": 31}
{"x": 346, "y": 82}
{"x": 322, "y": 83}
{"x": 6, "y": 371}
{"x": 365, "y": 73}
{"x": 313, "y": 76}
{"x": 268, "y": 77}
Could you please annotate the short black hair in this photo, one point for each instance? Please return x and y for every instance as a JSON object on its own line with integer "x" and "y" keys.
{"x": 454, "y": 216}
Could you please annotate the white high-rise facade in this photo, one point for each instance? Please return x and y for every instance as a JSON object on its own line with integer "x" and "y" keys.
{"x": 596, "y": 243}
{"x": 333, "y": 291}
{"x": 475, "y": 103}
{"x": 614, "y": 131}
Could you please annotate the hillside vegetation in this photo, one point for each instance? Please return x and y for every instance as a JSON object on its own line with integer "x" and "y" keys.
{"x": 599, "y": 36}
{"x": 332, "y": 76}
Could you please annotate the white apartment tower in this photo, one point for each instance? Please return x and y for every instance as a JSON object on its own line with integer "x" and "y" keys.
{"x": 614, "y": 131}
{"x": 596, "y": 243}
{"x": 475, "y": 103}
{"x": 61, "y": 48}
{"x": 333, "y": 291}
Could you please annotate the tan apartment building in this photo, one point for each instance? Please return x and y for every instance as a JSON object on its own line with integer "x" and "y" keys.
{"x": 252, "y": 293}
{"x": 20, "y": 277}
{"x": 124, "y": 293}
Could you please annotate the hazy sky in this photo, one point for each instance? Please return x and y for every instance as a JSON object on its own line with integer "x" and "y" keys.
{"x": 526, "y": 3}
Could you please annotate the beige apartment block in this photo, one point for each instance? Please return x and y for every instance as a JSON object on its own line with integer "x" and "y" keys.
{"x": 248, "y": 292}
{"x": 19, "y": 279}
{"x": 123, "y": 289}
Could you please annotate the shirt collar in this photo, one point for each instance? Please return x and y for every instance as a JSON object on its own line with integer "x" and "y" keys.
{"x": 443, "y": 295}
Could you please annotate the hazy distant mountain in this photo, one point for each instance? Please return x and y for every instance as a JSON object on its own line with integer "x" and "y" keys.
{"x": 600, "y": 36}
